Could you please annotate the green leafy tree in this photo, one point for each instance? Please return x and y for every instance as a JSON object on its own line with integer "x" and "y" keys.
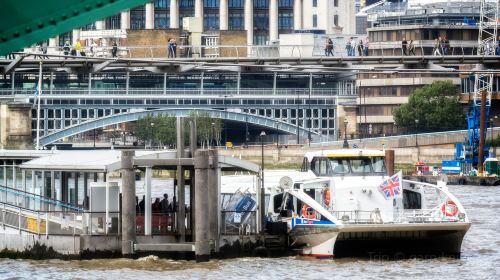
{"x": 159, "y": 129}
{"x": 208, "y": 129}
{"x": 435, "y": 106}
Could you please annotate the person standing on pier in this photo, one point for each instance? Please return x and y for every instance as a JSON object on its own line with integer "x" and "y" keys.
{"x": 165, "y": 204}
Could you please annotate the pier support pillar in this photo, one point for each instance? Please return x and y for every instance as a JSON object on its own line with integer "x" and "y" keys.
{"x": 201, "y": 209}
{"x": 147, "y": 204}
{"x": 128, "y": 202}
{"x": 213, "y": 198}
{"x": 181, "y": 201}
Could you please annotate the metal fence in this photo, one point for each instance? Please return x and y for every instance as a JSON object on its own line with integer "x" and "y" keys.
{"x": 394, "y": 48}
{"x": 238, "y": 222}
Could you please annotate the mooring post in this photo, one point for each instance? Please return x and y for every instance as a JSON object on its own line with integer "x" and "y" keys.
{"x": 128, "y": 202}
{"x": 201, "y": 210}
{"x": 389, "y": 162}
{"x": 213, "y": 198}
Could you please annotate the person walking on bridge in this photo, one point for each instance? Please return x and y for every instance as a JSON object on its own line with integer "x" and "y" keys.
{"x": 437, "y": 46}
{"x": 329, "y": 47}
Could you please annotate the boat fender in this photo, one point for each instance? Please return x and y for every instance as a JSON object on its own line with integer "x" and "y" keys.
{"x": 308, "y": 212}
{"x": 449, "y": 208}
{"x": 326, "y": 196}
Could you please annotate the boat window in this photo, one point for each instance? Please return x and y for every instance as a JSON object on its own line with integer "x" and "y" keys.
{"x": 320, "y": 166}
{"x": 412, "y": 200}
{"x": 378, "y": 164}
{"x": 305, "y": 165}
{"x": 339, "y": 165}
{"x": 360, "y": 165}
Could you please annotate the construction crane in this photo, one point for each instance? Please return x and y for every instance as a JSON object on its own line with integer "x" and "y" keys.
{"x": 474, "y": 151}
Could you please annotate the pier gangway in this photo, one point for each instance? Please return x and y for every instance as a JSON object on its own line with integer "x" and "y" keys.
{"x": 33, "y": 213}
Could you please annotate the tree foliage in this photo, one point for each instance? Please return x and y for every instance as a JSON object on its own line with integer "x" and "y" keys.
{"x": 435, "y": 106}
{"x": 208, "y": 129}
{"x": 159, "y": 129}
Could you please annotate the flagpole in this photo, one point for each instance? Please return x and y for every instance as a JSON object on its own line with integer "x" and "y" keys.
{"x": 38, "y": 108}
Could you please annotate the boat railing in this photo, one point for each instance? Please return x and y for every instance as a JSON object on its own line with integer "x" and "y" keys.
{"x": 434, "y": 215}
{"x": 238, "y": 222}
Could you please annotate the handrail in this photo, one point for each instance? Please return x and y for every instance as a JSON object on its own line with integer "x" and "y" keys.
{"x": 40, "y": 198}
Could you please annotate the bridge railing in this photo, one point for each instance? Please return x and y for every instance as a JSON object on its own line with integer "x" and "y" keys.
{"x": 222, "y": 93}
{"x": 382, "y": 49}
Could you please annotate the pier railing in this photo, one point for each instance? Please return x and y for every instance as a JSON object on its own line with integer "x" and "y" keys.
{"x": 238, "y": 222}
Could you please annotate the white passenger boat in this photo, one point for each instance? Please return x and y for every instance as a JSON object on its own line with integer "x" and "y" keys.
{"x": 344, "y": 204}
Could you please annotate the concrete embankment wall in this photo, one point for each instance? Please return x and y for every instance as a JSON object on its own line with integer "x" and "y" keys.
{"x": 295, "y": 154}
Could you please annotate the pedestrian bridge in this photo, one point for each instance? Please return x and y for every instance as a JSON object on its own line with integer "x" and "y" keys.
{"x": 261, "y": 121}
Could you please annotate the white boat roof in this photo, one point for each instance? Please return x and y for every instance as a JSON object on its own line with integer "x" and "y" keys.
{"x": 345, "y": 153}
{"x": 25, "y": 154}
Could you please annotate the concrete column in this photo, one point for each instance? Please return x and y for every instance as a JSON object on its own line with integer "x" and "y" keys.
{"x": 150, "y": 16}
{"x": 223, "y": 15}
{"x": 53, "y": 42}
{"x": 198, "y": 8}
{"x": 249, "y": 21}
{"x": 75, "y": 35}
{"x": 273, "y": 20}
{"x": 100, "y": 25}
{"x": 128, "y": 202}
{"x": 213, "y": 197}
{"x": 125, "y": 20}
{"x": 14, "y": 175}
{"x": 23, "y": 178}
{"x": 59, "y": 191}
{"x": 52, "y": 185}
{"x": 147, "y": 204}
{"x": 174, "y": 14}
{"x": 33, "y": 181}
{"x": 297, "y": 14}
{"x": 202, "y": 234}
{"x": 181, "y": 210}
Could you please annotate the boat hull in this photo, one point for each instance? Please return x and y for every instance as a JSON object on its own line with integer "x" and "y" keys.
{"x": 381, "y": 241}
{"x": 401, "y": 241}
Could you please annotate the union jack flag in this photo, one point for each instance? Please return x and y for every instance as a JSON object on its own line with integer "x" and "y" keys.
{"x": 391, "y": 188}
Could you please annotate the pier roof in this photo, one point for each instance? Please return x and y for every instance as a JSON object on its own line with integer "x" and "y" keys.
{"x": 110, "y": 160}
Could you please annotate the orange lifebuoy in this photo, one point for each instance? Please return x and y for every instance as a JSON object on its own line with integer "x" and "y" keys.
{"x": 326, "y": 196}
{"x": 449, "y": 208}
{"x": 311, "y": 214}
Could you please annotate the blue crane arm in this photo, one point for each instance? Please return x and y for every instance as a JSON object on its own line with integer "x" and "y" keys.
{"x": 24, "y": 22}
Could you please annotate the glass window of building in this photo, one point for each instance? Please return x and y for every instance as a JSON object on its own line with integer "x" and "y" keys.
{"x": 236, "y": 21}
{"x": 113, "y": 22}
{"x": 236, "y": 3}
{"x": 335, "y": 3}
{"x": 285, "y": 3}
{"x": 137, "y": 18}
{"x": 90, "y": 26}
{"x": 261, "y": 3}
{"x": 65, "y": 37}
{"x": 162, "y": 4}
{"x": 186, "y": 4}
{"x": 211, "y": 21}
{"x": 211, "y": 3}
{"x": 315, "y": 3}
{"x": 315, "y": 20}
{"x": 285, "y": 20}
{"x": 162, "y": 20}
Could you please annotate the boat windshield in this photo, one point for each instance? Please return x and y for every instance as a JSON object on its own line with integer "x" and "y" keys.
{"x": 357, "y": 165}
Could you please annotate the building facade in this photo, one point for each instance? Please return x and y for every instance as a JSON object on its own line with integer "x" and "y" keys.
{"x": 263, "y": 20}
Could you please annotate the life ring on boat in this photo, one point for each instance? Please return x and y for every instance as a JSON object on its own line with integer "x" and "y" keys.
{"x": 449, "y": 208}
{"x": 311, "y": 214}
{"x": 326, "y": 196}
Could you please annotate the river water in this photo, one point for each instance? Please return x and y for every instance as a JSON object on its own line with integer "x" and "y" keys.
{"x": 480, "y": 259}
